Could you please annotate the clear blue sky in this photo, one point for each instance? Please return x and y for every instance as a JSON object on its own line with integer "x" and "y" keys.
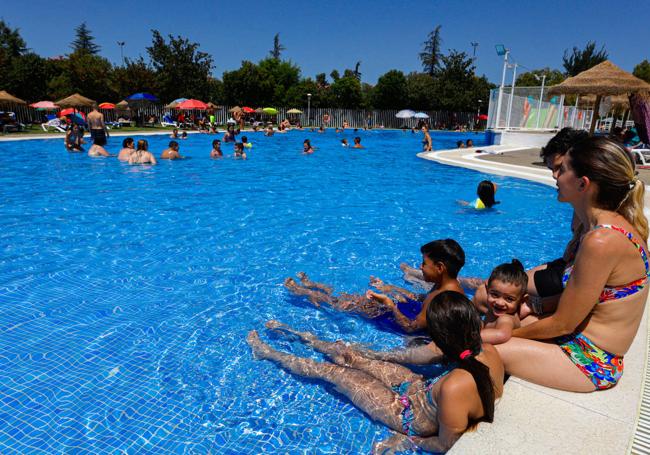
{"x": 321, "y": 36}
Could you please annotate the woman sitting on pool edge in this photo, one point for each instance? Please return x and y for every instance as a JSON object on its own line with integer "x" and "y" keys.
{"x": 485, "y": 192}
{"x": 430, "y": 414}
{"x": 601, "y": 307}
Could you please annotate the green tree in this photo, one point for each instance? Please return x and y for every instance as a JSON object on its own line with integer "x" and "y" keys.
{"x": 244, "y": 85}
{"x": 357, "y": 72}
{"x": 420, "y": 91}
{"x": 28, "y": 76}
{"x": 84, "y": 41}
{"x": 135, "y": 76}
{"x": 533, "y": 78}
{"x": 182, "y": 69}
{"x": 321, "y": 80}
{"x": 85, "y": 73}
{"x": 345, "y": 92}
{"x": 390, "y": 91}
{"x": 335, "y": 75}
{"x": 642, "y": 70}
{"x": 296, "y": 95}
{"x": 581, "y": 60}
{"x": 457, "y": 88}
{"x": 216, "y": 90}
{"x": 12, "y": 46}
{"x": 431, "y": 55}
{"x": 277, "y": 77}
{"x": 277, "y": 47}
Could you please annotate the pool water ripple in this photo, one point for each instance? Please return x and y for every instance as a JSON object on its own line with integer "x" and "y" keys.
{"x": 127, "y": 292}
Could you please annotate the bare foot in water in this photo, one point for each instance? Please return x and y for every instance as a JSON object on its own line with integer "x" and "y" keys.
{"x": 306, "y": 281}
{"x": 284, "y": 329}
{"x": 260, "y": 349}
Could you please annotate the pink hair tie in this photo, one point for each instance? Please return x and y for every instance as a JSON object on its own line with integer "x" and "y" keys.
{"x": 466, "y": 353}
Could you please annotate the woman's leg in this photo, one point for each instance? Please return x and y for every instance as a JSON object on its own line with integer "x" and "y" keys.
{"x": 366, "y": 392}
{"x": 389, "y": 374}
{"x": 543, "y": 363}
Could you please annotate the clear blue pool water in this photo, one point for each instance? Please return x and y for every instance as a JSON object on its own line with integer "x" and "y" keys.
{"x": 126, "y": 292}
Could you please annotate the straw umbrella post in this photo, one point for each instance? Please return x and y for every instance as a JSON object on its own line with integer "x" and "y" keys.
{"x": 603, "y": 79}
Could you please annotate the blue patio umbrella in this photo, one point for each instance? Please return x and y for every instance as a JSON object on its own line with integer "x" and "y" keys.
{"x": 146, "y": 97}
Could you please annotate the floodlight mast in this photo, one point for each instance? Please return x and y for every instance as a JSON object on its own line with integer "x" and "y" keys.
{"x": 501, "y": 50}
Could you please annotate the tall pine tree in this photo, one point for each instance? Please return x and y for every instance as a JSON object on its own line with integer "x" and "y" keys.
{"x": 84, "y": 41}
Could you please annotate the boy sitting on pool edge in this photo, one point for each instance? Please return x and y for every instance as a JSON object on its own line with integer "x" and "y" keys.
{"x": 441, "y": 263}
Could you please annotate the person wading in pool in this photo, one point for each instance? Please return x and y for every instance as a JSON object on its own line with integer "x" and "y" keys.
{"x": 427, "y": 413}
{"x": 98, "y": 131}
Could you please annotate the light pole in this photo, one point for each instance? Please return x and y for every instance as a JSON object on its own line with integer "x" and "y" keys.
{"x": 308, "y": 107}
{"x": 121, "y": 44}
{"x": 478, "y": 113}
{"x": 539, "y": 104}
{"x": 501, "y": 50}
{"x": 512, "y": 94}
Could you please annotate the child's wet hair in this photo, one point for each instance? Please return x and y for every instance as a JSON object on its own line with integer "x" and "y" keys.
{"x": 447, "y": 251}
{"x": 512, "y": 272}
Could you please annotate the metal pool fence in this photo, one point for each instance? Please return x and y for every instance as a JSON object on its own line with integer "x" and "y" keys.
{"x": 356, "y": 118}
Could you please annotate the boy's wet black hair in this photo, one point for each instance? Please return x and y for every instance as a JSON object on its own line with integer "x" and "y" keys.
{"x": 127, "y": 141}
{"x": 447, "y": 251}
{"x": 512, "y": 272}
{"x": 561, "y": 143}
{"x": 173, "y": 144}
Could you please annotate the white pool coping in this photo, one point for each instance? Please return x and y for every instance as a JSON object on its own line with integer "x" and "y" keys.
{"x": 530, "y": 419}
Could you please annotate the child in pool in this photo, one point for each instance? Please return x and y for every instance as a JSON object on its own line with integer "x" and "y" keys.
{"x": 441, "y": 262}
{"x": 485, "y": 192}
{"x": 239, "y": 151}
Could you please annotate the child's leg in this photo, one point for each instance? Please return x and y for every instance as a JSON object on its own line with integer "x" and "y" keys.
{"x": 388, "y": 373}
{"x": 366, "y": 392}
{"x": 360, "y": 304}
{"x": 315, "y": 297}
{"x": 304, "y": 279}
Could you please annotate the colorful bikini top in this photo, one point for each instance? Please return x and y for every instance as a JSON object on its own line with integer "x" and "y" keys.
{"x": 618, "y": 292}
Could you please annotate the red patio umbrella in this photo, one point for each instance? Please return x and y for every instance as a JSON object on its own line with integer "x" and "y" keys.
{"x": 248, "y": 110}
{"x": 70, "y": 111}
{"x": 482, "y": 117}
{"x": 107, "y": 106}
{"x": 192, "y": 104}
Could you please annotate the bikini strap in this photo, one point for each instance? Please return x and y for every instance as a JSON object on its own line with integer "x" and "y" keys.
{"x": 632, "y": 239}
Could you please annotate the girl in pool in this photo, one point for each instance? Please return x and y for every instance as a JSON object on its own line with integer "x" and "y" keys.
{"x": 427, "y": 143}
{"x": 485, "y": 192}
{"x": 142, "y": 154}
{"x": 427, "y": 413}
{"x": 307, "y": 149}
{"x": 128, "y": 147}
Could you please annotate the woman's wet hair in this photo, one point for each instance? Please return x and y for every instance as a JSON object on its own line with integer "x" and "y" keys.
{"x": 173, "y": 145}
{"x": 512, "y": 272}
{"x": 143, "y": 144}
{"x": 485, "y": 192}
{"x": 611, "y": 167}
{"x": 215, "y": 143}
{"x": 454, "y": 325}
{"x": 447, "y": 251}
{"x": 127, "y": 142}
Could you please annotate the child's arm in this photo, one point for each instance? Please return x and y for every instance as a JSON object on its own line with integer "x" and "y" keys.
{"x": 500, "y": 330}
{"x": 395, "y": 291}
{"x": 408, "y": 325}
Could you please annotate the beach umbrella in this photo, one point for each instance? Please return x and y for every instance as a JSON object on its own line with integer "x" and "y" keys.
{"x": 192, "y": 104}
{"x": 604, "y": 79}
{"x": 235, "y": 109}
{"x": 122, "y": 105}
{"x": 75, "y": 101}
{"x": 420, "y": 115}
{"x": 45, "y": 106}
{"x": 270, "y": 111}
{"x": 483, "y": 117}
{"x": 174, "y": 104}
{"x": 71, "y": 111}
{"x": 142, "y": 98}
{"x": 405, "y": 113}
{"x": 6, "y": 98}
{"x": 294, "y": 111}
{"x": 211, "y": 105}
{"x": 259, "y": 110}
{"x": 248, "y": 110}
{"x": 107, "y": 106}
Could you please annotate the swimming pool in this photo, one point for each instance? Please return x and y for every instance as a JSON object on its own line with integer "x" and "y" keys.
{"x": 127, "y": 291}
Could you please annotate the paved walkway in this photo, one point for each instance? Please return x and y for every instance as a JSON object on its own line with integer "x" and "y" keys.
{"x": 530, "y": 419}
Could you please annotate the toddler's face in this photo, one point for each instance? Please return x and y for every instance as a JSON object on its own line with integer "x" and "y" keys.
{"x": 504, "y": 298}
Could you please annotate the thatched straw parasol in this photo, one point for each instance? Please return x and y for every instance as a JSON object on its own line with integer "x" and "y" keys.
{"x": 7, "y": 98}
{"x": 603, "y": 79}
{"x": 122, "y": 105}
{"x": 75, "y": 101}
{"x": 235, "y": 109}
{"x": 211, "y": 105}
{"x": 618, "y": 101}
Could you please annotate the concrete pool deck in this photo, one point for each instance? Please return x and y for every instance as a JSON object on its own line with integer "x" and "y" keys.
{"x": 531, "y": 419}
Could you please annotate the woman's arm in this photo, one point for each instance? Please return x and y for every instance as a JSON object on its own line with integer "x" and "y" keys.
{"x": 594, "y": 264}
